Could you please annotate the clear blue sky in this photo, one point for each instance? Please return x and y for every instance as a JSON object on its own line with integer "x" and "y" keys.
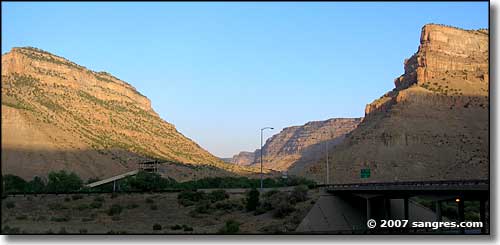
{"x": 221, "y": 71}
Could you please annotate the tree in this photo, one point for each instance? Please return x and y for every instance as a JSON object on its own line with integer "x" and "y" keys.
{"x": 13, "y": 183}
{"x": 252, "y": 200}
{"x": 36, "y": 185}
{"x": 63, "y": 182}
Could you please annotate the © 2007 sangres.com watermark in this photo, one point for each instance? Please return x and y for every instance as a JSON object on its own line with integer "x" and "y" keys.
{"x": 423, "y": 224}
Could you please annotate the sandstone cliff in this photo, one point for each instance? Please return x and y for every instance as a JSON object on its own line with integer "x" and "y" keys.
{"x": 59, "y": 115}
{"x": 298, "y": 145}
{"x": 433, "y": 125}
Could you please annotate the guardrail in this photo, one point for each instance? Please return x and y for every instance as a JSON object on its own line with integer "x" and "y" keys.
{"x": 415, "y": 185}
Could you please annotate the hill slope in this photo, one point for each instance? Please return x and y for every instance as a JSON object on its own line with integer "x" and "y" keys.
{"x": 433, "y": 125}
{"x": 59, "y": 115}
{"x": 298, "y": 145}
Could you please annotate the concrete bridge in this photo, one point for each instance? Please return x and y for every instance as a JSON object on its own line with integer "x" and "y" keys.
{"x": 346, "y": 208}
{"x": 148, "y": 166}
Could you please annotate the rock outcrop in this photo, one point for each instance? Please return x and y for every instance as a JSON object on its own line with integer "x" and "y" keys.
{"x": 297, "y": 145}
{"x": 59, "y": 115}
{"x": 434, "y": 125}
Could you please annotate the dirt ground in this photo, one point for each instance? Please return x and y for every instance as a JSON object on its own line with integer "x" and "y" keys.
{"x": 65, "y": 213}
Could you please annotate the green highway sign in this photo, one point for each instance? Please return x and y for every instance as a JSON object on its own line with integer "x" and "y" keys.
{"x": 365, "y": 173}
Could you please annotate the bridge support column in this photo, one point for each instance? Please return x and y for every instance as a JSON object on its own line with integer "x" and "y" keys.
{"x": 387, "y": 207}
{"x": 368, "y": 209}
{"x": 482, "y": 214}
{"x": 461, "y": 213}
{"x": 114, "y": 185}
{"x": 405, "y": 208}
{"x": 439, "y": 216}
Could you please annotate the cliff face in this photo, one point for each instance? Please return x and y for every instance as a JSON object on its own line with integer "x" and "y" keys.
{"x": 297, "y": 145}
{"x": 433, "y": 125}
{"x": 59, "y": 115}
{"x": 243, "y": 158}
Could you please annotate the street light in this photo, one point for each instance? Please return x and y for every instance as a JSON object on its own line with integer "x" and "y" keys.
{"x": 261, "y": 173}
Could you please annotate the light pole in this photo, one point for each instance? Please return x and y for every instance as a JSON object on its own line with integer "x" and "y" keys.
{"x": 261, "y": 173}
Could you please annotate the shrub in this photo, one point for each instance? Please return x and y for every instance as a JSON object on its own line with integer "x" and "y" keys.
{"x": 10, "y": 204}
{"x": 99, "y": 199}
{"x": 252, "y": 200}
{"x": 188, "y": 198}
{"x": 218, "y": 195}
{"x": 63, "y": 182}
{"x": 95, "y": 205}
{"x": 8, "y": 230}
{"x": 282, "y": 206}
{"x": 60, "y": 218}
{"x": 62, "y": 230}
{"x": 56, "y": 206}
{"x": 13, "y": 183}
{"x": 115, "y": 209}
{"x": 299, "y": 194}
{"x": 22, "y": 217}
{"x": 230, "y": 227}
{"x": 36, "y": 185}
{"x": 157, "y": 227}
{"x": 82, "y": 207}
{"x": 203, "y": 207}
{"x": 132, "y": 206}
{"x": 76, "y": 197}
{"x": 87, "y": 219}
{"x": 229, "y": 205}
{"x": 176, "y": 227}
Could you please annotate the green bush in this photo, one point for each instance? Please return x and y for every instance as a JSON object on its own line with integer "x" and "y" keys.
{"x": 218, "y": 195}
{"x": 203, "y": 207}
{"x": 82, "y": 207}
{"x": 61, "y": 182}
{"x": 132, "y": 206}
{"x": 76, "y": 197}
{"x": 176, "y": 227}
{"x": 299, "y": 194}
{"x": 252, "y": 200}
{"x": 22, "y": 217}
{"x": 230, "y": 227}
{"x": 56, "y": 206}
{"x": 281, "y": 205}
{"x": 60, "y": 218}
{"x": 187, "y": 228}
{"x": 10, "y": 204}
{"x": 229, "y": 205}
{"x": 95, "y": 205}
{"x": 115, "y": 209}
{"x": 188, "y": 198}
{"x": 14, "y": 183}
{"x": 99, "y": 199}
{"x": 157, "y": 227}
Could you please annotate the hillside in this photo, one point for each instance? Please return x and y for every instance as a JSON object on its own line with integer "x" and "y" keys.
{"x": 298, "y": 145}
{"x": 434, "y": 125}
{"x": 59, "y": 115}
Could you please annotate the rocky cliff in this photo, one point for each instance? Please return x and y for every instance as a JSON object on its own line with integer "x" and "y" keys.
{"x": 298, "y": 145}
{"x": 59, "y": 115}
{"x": 434, "y": 125}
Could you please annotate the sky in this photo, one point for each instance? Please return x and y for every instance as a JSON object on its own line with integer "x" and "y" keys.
{"x": 221, "y": 71}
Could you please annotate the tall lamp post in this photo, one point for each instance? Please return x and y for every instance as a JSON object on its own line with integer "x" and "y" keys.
{"x": 261, "y": 173}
